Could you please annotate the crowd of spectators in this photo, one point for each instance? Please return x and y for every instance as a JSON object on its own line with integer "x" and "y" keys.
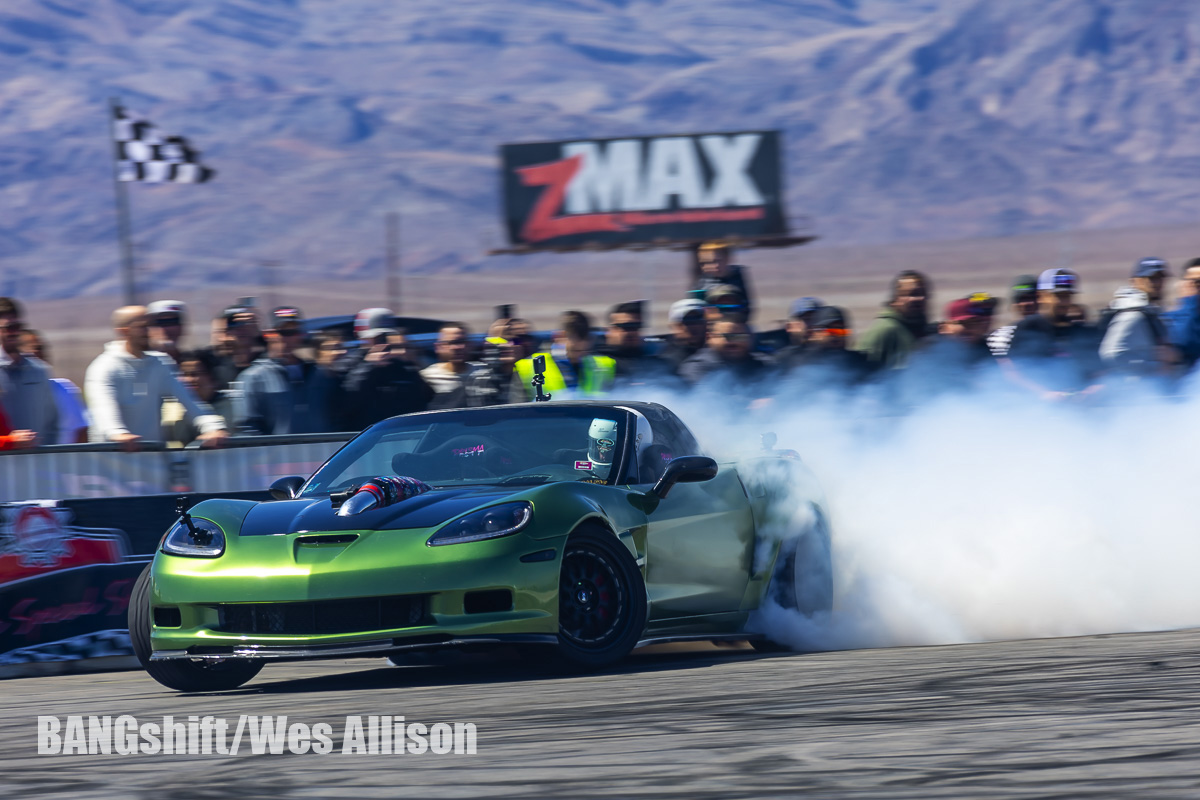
{"x": 275, "y": 375}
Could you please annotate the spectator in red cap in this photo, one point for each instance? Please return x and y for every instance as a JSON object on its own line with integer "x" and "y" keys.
{"x": 969, "y": 321}
{"x": 956, "y": 359}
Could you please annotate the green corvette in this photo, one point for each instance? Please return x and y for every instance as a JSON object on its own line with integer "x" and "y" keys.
{"x": 583, "y": 528}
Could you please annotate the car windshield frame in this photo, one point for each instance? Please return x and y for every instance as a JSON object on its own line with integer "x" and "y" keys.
{"x": 322, "y": 481}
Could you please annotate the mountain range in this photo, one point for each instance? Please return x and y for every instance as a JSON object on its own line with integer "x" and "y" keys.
{"x": 902, "y": 120}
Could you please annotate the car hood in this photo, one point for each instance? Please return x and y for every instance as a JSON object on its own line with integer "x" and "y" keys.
{"x": 317, "y": 513}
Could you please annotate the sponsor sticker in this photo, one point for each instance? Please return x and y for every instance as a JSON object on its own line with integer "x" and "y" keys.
{"x": 583, "y": 465}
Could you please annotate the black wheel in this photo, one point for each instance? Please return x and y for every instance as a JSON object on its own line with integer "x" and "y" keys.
{"x": 803, "y": 576}
{"x": 183, "y": 676}
{"x": 601, "y": 599}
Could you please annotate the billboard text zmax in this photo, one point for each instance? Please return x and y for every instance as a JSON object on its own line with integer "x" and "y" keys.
{"x": 613, "y": 192}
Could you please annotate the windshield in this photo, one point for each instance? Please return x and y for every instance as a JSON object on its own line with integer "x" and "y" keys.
{"x": 505, "y": 446}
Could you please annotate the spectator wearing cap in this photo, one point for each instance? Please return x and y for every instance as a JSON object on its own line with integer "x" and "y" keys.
{"x": 969, "y": 322}
{"x": 1052, "y": 353}
{"x": 72, "y": 413}
{"x": 571, "y": 366}
{"x": 279, "y": 393}
{"x": 1135, "y": 340}
{"x": 728, "y": 363}
{"x": 458, "y": 382}
{"x": 901, "y": 326}
{"x": 714, "y": 267}
{"x": 957, "y": 359}
{"x": 624, "y": 344}
{"x": 26, "y": 389}
{"x": 236, "y": 344}
{"x": 826, "y": 362}
{"x": 689, "y": 330}
{"x": 380, "y": 382}
{"x": 794, "y": 352}
{"x": 1183, "y": 322}
{"x": 724, "y": 301}
{"x": 127, "y": 384}
{"x": 167, "y": 327}
{"x": 1024, "y": 305}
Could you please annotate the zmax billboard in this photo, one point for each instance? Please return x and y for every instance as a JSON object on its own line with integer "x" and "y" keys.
{"x": 605, "y": 193}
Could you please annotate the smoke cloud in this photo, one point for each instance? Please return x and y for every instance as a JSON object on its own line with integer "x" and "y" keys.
{"x": 987, "y": 516}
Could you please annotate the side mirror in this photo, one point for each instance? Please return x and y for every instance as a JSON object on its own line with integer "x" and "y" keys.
{"x": 286, "y": 488}
{"x": 685, "y": 469}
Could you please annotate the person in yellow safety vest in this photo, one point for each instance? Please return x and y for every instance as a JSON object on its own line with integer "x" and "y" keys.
{"x": 571, "y": 369}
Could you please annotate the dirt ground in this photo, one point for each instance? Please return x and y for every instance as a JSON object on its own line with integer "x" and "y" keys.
{"x": 1096, "y": 716}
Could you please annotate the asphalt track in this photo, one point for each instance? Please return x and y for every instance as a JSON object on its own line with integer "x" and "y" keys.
{"x": 1101, "y": 716}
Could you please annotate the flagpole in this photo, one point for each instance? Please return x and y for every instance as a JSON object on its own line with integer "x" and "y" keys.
{"x": 123, "y": 227}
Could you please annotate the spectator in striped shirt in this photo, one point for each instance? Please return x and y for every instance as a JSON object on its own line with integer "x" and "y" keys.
{"x": 1024, "y": 305}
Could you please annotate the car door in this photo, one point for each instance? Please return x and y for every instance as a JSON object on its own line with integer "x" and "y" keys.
{"x": 699, "y": 548}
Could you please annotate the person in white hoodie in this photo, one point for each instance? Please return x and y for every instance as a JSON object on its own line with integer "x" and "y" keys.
{"x": 1135, "y": 339}
{"x": 127, "y": 383}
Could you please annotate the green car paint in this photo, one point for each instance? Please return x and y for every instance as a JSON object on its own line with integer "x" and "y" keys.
{"x": 700, "y": 549}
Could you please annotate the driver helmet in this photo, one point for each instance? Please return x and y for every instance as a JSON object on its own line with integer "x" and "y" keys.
{"x": 602, "y": 442}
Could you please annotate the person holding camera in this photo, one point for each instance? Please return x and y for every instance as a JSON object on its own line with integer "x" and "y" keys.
{"x": 280, "y": 393}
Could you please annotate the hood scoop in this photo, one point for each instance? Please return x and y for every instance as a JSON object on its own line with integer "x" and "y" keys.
{"x": 311, "y": 516}
{"x": 320, "y": 548}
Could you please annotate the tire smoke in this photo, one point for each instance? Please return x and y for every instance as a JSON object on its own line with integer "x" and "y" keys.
{"x": 987, "y": 516}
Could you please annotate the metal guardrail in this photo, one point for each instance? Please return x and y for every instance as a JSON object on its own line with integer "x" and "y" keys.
{"x": 71, "y": 471}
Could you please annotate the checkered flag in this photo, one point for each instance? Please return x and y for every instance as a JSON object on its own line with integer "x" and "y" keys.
{"x": 144, "y": 154}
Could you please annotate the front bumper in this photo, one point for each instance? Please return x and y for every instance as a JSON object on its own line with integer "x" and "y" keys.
{"x": 269, "y": 577}
{"x": 364, "y": 649}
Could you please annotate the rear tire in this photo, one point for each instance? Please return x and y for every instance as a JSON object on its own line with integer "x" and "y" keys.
{"x": 803, "y": 576}
{"x": 183, "y": 676}
{"x": 602, "y": 600}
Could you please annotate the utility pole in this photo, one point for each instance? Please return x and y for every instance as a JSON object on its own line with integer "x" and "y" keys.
{"x": 392, "y": 277}
{"x": 269, "y": 267}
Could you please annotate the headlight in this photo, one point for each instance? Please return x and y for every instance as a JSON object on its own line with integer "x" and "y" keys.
{"x": 207, "y": 540}
{"x": 487, "y": 523}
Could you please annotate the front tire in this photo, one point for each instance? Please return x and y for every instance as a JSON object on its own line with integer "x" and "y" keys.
{"x": 602, "y": 600}
{"x": 183, "y": 676}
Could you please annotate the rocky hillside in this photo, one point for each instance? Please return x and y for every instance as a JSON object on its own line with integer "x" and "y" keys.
{"x": 904, "y": 119}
